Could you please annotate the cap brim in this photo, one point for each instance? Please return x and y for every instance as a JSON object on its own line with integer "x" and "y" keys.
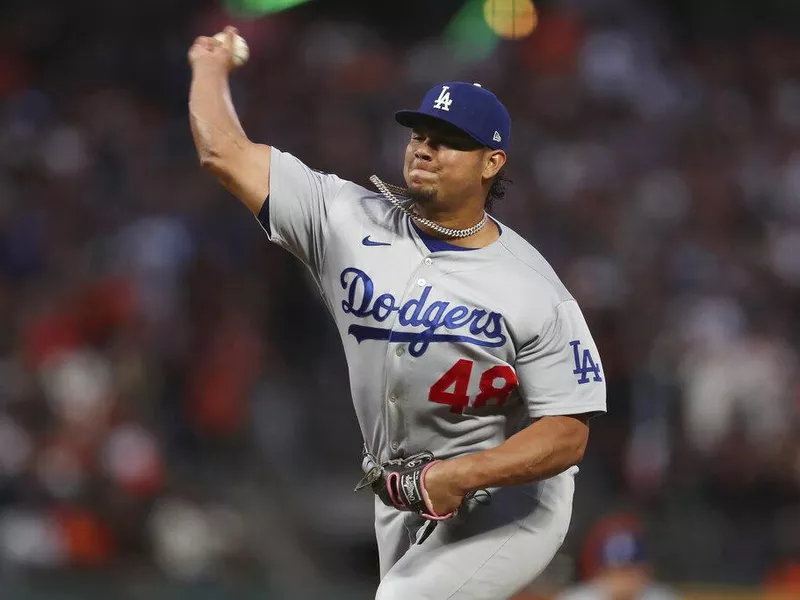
{"x": 413, "y": 118}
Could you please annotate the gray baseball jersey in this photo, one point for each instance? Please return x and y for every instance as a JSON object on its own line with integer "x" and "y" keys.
{"x": 449, "y": 350}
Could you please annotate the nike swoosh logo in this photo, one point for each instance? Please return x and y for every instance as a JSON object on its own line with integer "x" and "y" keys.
{"x": 368, "y": 242}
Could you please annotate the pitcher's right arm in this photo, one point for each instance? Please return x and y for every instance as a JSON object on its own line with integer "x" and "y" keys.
{"x": 291, "y": 200}
{"x": 241, "y": 166}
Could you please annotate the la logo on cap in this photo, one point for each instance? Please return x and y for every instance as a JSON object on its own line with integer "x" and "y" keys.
{"x": 443, "y": 102}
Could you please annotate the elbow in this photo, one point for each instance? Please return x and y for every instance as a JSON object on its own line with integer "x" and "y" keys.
{"x": 579, "y": 448}
{"x": 578, "y": 438}
{"x": 221, "y": 158}
{"x": 210, "y": 159}
{"x": 579, "y": 453}
{"x": 207, "y": 162}
{"x": 219, "y": 168}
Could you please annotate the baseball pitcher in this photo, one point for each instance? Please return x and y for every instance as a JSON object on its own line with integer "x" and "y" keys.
{"x": 472, "y": 370}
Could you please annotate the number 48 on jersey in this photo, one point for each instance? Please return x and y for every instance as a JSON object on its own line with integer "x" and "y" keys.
{"x": 496, "y": 383}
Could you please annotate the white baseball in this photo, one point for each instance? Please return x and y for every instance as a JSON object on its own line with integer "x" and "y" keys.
{"x": 241, "y": 51}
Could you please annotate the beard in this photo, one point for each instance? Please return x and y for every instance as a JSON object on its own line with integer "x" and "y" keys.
{"x": 422, "y": 194}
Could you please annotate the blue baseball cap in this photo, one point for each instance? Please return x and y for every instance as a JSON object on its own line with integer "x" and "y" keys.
{"x": 616, "y": 541}
{"x": 469, "y": 107}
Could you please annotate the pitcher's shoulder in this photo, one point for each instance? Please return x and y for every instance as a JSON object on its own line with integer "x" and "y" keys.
{"x": 358, "y": 198}
{"x": 365, "y": 209}
{"x": 529, "y": 264}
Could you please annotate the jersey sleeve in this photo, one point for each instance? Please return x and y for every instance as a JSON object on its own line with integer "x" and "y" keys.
{"x": 559, "y": 371}
{"x": 295, "y": 215}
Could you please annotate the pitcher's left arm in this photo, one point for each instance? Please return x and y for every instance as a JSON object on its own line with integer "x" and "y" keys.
{"x": 562, "y": 383}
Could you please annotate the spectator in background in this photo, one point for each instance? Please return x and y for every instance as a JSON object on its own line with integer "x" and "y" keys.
{"x": 616, "y": 566}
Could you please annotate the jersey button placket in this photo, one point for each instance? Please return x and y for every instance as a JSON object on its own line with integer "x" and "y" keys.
{"x": 397, "y": 374}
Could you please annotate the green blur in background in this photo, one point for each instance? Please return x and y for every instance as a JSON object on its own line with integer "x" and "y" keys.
{"x": 260, "y": 7}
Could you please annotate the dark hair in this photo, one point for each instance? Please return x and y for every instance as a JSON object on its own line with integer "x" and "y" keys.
{"x": 498, "y": 189}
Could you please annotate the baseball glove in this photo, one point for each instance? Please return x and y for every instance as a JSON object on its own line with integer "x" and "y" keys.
{"x": 401, "y": 483}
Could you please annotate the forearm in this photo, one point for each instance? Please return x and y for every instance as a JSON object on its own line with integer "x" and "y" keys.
{"x": 541, "y": 450}
{"x": 217, "y": 132}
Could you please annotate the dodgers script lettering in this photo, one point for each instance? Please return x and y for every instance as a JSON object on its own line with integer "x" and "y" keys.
{"x": 463, "y": 324}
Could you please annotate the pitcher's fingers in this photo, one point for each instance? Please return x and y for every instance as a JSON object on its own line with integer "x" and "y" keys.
{"x": 230, "y": 37}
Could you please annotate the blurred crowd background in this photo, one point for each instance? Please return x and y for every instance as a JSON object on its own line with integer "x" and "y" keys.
{"x": 173, "y": 400}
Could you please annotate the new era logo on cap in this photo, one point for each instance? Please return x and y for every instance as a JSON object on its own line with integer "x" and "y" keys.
{"x": 473, "y": 109}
